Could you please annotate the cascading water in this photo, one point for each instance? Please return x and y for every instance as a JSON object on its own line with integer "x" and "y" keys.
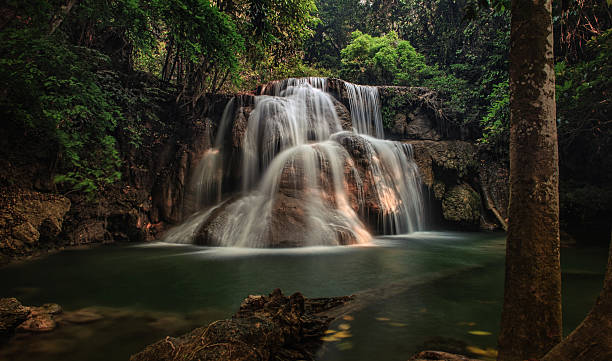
{"x": 208, "y": 177}
{"x": 305, "y": 181}
{"x": 365, "y": 109}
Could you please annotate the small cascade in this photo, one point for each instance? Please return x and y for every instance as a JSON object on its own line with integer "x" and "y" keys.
{"x": 395, "y": 181}
{"x": 208, "y": 177}
{"x": 365, "y": 109}
{"x": 305, "y": 181}
{"x": 276, "y": 87}
{"x": 301, "y": 114}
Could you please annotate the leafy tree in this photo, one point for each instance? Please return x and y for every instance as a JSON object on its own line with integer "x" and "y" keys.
{"x": 338, "y": 19}
{"x": 585, "y": 139}
{"x": 202, "y": 52}
{"x": 50, "y": 90}
{"x": 388, "y": 60}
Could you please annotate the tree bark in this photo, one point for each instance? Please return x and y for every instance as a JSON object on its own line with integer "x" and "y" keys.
{"x": 531, "y": 314}
{"x": 592, "y": 339}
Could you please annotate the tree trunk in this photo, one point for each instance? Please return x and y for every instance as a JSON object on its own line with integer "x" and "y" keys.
{"x": 592, "y": 339}
{"x": 59, "y": 18}
{"x": 531, "y": 315}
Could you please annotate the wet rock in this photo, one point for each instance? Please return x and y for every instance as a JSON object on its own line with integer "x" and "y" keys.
{"x": 240, "y": 125}
{"x": 344, "y": 115}
{"x": 461, "y": 204}
{"x": 439, "y": 189}
{"x": 38, "y": 322}
{"x": 416, "y": 125}
{"x": 273, "y": 327}
{"x": 34, "y": 319}
{"x": 90, "y": 231}
{"x": 12, "y": 313}
{"x": 421, "y": 126}
{"x": 462, "y": 185}
{"x": 48, "y": 308}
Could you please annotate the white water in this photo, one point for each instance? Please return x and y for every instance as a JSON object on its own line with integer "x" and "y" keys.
{"x": 297, "y": 167}
{"x": 207, "y": 180}
{"x": 365, "y": 109}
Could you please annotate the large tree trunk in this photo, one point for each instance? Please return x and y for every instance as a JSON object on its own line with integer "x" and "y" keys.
{"x": 592, "y": 339}
{"x": 531, "y": 315}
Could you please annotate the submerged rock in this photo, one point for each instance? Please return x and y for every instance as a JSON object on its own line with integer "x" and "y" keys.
{"x": 439, "y": 356}
{"x": 273, "y": 327}
{"x": 81, "y": 316}
{"x": 16, "y": 317}
{"x": 41, "y": 322}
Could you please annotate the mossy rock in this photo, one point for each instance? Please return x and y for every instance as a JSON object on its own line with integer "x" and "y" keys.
{"x": 461, "y": 204}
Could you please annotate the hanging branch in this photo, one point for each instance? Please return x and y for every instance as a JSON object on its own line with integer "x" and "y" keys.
{"x": 57, "y": 20}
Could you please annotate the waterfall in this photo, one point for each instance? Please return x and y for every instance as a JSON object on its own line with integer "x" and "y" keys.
{"x": 300, "y": 114}
{"x": 305, "y": 181}
{"x": 208, "y": 176}
{"x": 278, "y": 86}
{"x": 365, "y": 109}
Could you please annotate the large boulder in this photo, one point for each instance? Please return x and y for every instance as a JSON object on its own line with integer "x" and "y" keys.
{"x": 286, "y": 223}
{"x": 273, "y": 327}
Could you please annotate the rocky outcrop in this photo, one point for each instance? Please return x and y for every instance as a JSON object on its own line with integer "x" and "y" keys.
{"x": 421, "y": 114}
{"x": 29, "y": 220}
{"x": 461, "y": 204}
{"x": 12, "y": 314}
{"x": 273, "y": 327}
{"x": 450, "y": 169}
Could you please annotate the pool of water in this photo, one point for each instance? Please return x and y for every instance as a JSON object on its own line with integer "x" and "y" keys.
{"x": 433, "y": 290}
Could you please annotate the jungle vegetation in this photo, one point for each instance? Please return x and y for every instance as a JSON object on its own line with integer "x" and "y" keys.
{"x": 58, "y": 57}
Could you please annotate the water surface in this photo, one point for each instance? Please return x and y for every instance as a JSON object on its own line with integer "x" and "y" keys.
{"x": 437, "y": 286}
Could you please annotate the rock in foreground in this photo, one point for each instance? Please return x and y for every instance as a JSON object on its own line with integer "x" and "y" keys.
{"x": 12, "y": 313}
{"x": 273, "y": 327}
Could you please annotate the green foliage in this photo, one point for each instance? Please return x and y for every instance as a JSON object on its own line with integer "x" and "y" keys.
{"x": 55, "y": 61}
{"x": 584, "y": 112}
{"x": 207, "y": 45}
{"x": 51, "y": 88}
{"x": 338, "y": 18}
{"x": 495, "y": 124}
{"x": 390, "y": 107}
{"x": 388, "y": 60}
